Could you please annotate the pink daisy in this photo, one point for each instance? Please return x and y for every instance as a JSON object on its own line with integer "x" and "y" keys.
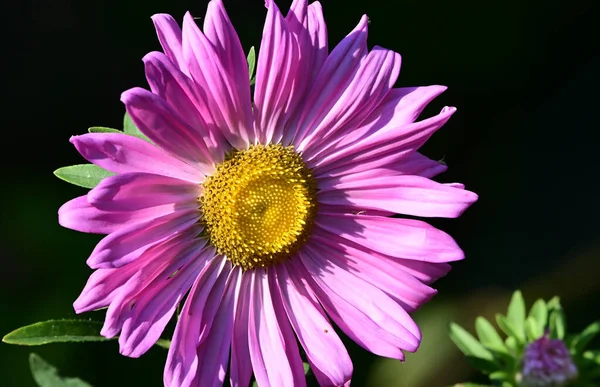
{"x": 271, "y": 213}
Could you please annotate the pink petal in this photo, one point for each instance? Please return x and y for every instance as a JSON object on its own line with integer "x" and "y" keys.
{"x": 412, "y": 164}
{"x": 241, "y": 366}
{"x": 137, "y": 191}
{"x": 375, "y": 77}
{"x": 393, "y": 141}
{"x": 121, "y": 153}
{"x": 183, "y": 96}
{"x": 79, "y": 215}
{"x": 169, "y": 35}
{"x": 273, "y": 350}
{"x": 426, "y": 272}
{"x": 213, "y": 352}
{"x": 411, "y": 195}
{"x": 365, "y": 313}
{"x": 385, "y": 273}
{"x": 228, "y": 101}
{"x": 160, "y": 261}
{"x": 402, "y": 238}
{"x": 155, "y": 306}
{"x": 157, "y": 120}
{"x": 317, "y": 30}
{"x": 278, "y": 81}
{"x": 334, "y": 77}
{"x": 182, "y": 360}
{"x": 127, "y": 244}
{"x": 324, "y": 349}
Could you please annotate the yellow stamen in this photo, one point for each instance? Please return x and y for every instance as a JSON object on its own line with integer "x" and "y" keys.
{"x": 259, "y": 204}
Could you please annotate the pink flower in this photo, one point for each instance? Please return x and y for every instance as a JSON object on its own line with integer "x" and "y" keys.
{"x": 272, "y": 211}
{"x": 547, "y": 363}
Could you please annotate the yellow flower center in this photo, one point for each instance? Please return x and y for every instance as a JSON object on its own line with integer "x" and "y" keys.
{"x": 259, "y": 205}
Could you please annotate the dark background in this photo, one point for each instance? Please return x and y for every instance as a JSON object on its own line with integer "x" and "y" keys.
{"x": 523, "y": 74}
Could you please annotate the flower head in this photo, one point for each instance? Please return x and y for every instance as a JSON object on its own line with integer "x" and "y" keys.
{"x": 547, "y": 363}
{"x": 271, "y": 213}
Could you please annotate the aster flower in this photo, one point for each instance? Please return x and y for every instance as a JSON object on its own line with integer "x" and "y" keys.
{"x": 547, "y": 363}
{"x": 271, "y": 213}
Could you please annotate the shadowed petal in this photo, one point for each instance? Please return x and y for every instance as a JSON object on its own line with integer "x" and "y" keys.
{"x": 169, "y": 35}
{"x": 241, "y": 365}
{"x": 325, "y": 351}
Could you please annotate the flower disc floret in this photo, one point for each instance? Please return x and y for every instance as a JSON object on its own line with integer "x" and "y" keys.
{"x": 259, "y": 204}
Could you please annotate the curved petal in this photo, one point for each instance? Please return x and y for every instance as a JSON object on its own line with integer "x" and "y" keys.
{"x": 394, "y": 141}
{"x": 278, "y": 81}
{"x": 334, "y": 77}
{"x": 402, "y": 238}
{"x": 157, "y": 120}
{"x": 213, "y": 352}
{"x": 182, "y": 360}
{"x": 365, "y": 313}
{"x": 413, "y": 164}
{"x": 79, "y": 215}
{"x": 137, "y": 191}
{"x": 241, "y": 365}
{"x": 160, "y": 261}
{"x": 228, "y": 101}
{"x": 387, "y": 274}
{"x": 169, "y": 36}
{"x": 121, "y": 153}
{"x": 375, "y": 77}
{"x": 155, "y": 306}
{"x": 183, "y": 96}
{"x": 127, "y": 244}
{"x": 317, "y": 30}
{"x": 271, "y": 340}
{"x": 324, "y": 349}
{"x": 411, "y": 195}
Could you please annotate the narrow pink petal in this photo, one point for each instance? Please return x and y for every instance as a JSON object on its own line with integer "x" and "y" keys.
{"x": 127, "y": 244}
{"x": 155, "y": 306}
{"x": 387, "y": 274}
{"x": 121, "y": 153}
{"x": 402, "y": 238}
{"x": 317, "y": 30}
{"x": 241, "y": 365}
{"x": 102, "y": 288}
{"x": 228, "y": 100}
{"x": 182, "y": 360}
{"x": 273, "y": 350}
{"x": 161, "y": 260}
{"x": 335, "y": 76}
{"x": 396, "y": 141}
{"x": 79, "y": 215}
{"x": 137, "y": 191}
{"x": 277, "y": 79}
{"x": 426, "y": 272}
{"x": 169, "y": 36}
{"x": 400, "y": 106}
{"x": 410, "y": 195}
{"x": 324, "y": 349}
{"x": 413, "y": 164}
{"x": 375, "y": 77}
{"x": 213, "y": 352}
{"x": 365, "y": 313}
{"x": 157, "y": 120}
{"x": 183, "y": 96}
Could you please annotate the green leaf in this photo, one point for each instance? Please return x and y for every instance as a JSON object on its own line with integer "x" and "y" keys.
{"x": 532, "y": 329}
{"x": 469, "y": 384}
{"x": 539, "y": 314}
{"x": 557, "y": 324}
{"x": 163, "y": 343}
{"x": 306, "y": 367}
{"x": 45, "y": 375}
{"x": 130, "y": 128}
{"x": 511, "y": 343}
{"x": 583, "y": 339}
{"x": 506, "y": 325}
{"x": 593, "y": 355}
{"x": 251, "y": 58}
{"x": 488, "y": 336}
{"x": 516, "y": 315}
{"x": 83, "y": 175}
{"x": 56, "y": 331}
{"x": 500, "y": 376}
{"x": 101, "y": 129}
{"x": 468, "y": 344}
